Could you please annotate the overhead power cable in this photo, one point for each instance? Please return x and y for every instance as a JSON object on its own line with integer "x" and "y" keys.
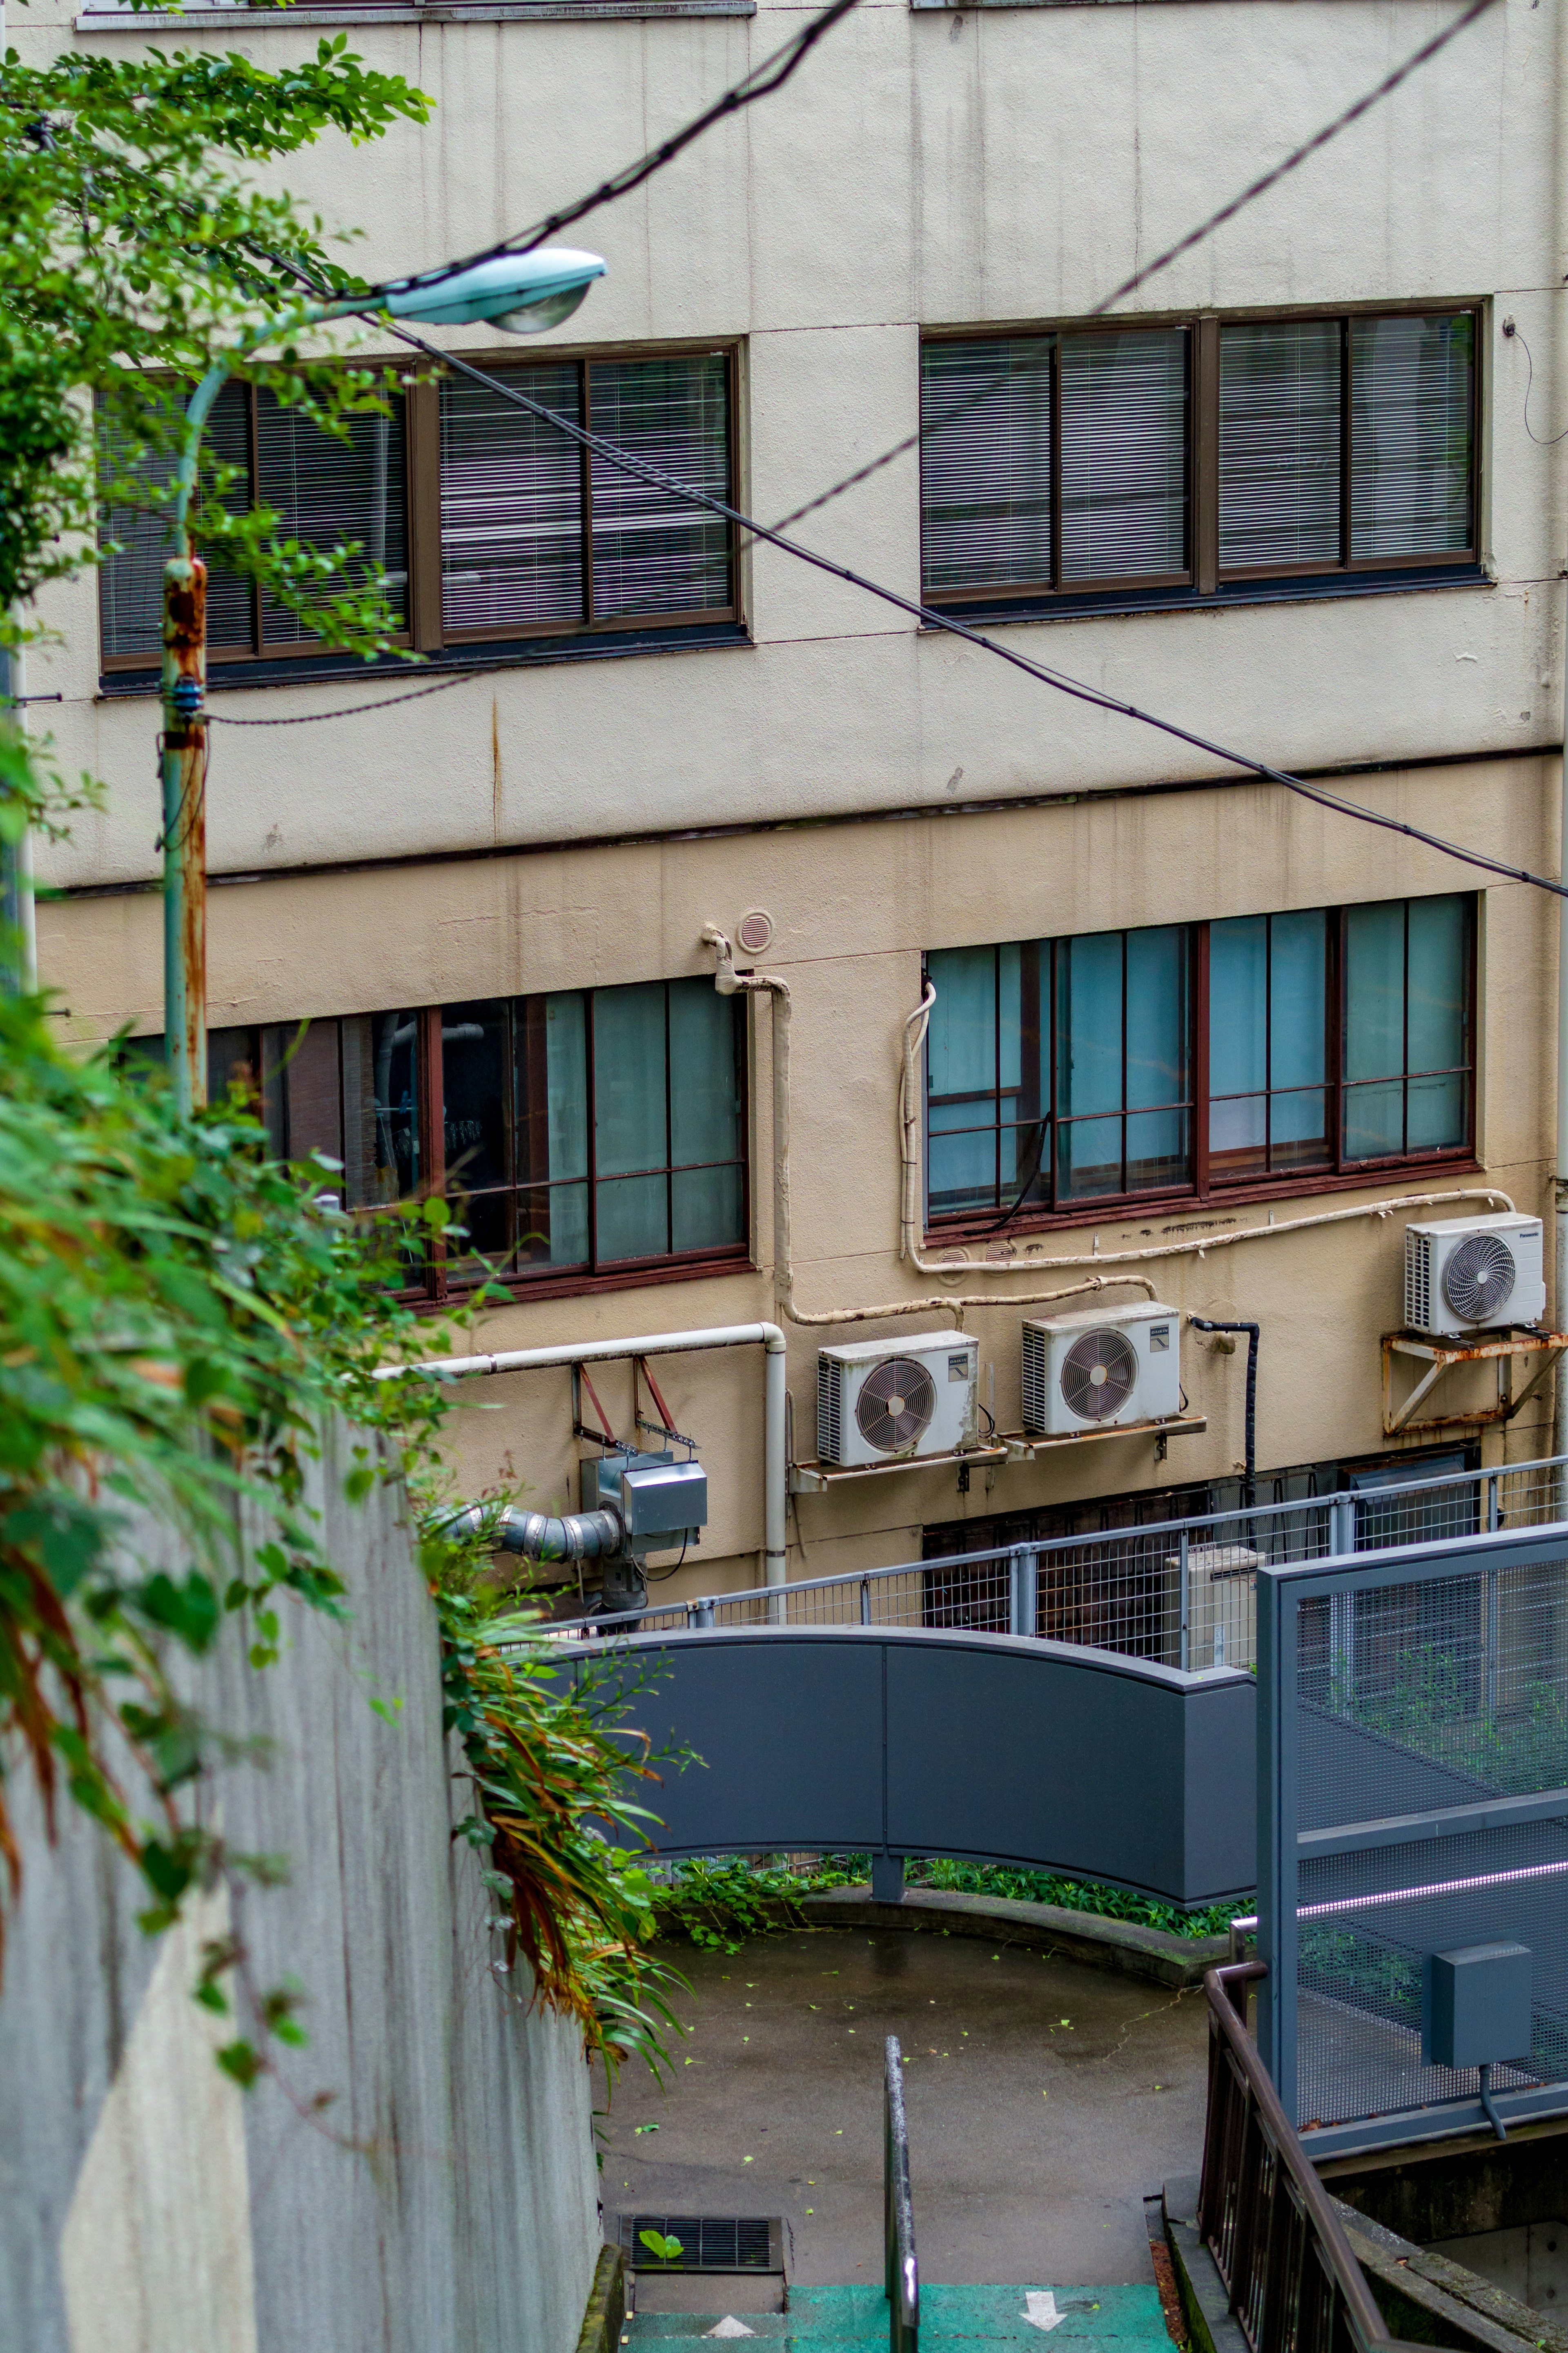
{"x": 1079, "y": 688}
{"x": 1194, "y": 236}
{"x": 771, "y": 75}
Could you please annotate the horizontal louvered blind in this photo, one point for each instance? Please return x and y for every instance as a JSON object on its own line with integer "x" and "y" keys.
{"x": 130, "y": 582}
{"x": 1124, "y": 454}
{"x": 512, "y": 503}
{"x": 331, "y": 493}
{"x": 653, "y": 552}
{"x": 1280, "y": 401}
{"x": 1412, "y": 383}
{"x": 985, "y": 463}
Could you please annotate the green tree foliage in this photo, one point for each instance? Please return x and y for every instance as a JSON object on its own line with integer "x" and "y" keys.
{"x": 134, "y": 248}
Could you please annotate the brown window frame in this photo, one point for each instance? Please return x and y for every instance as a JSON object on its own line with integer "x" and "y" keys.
{"x": 427, "y": 632}
{"x": 1336, "y": 1173}
{"x": 1204, "y": 577}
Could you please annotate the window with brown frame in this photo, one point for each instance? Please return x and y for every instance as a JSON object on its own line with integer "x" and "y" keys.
{"x": 1287, "y": 1050}
{"x": 1207, "y": 454}
{"x": 483, "y": 523}
{"x": 585, "y": 1134}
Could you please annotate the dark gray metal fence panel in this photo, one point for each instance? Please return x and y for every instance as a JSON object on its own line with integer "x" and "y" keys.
{"x": 1413, "y": 1756}
{"x": 992, "y": 1747}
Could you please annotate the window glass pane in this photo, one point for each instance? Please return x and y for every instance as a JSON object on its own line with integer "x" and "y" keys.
{"x": 654, "y": 553}
{"x": 1279, "y": 402}
{"x": 512, "y": 498}
{"x": 1089, "y": 1025}
{"x": 1238, "y": 1005}
{"x": 704, "y": 1076}
{"x": 1298, "y": 1034}
{"x": 1088, "y": 1155}
{"x": 1374, "y": 991}
{"x": 1009, "y": 1040}
{"x": 634, "y": 1217}
{"x": 553, "y": 1226}
{"x": 963, "y": 1170}
{"x": 630, "y": 1132}
{"x": 961, "y": 1043}
{"x": 706, "y": 1208}
{"x": 1124, "y": 454}
{"x": 1156, "y": 1016}
{"x": 474, "y": 1085}
{"x": 330, "y": 493}
{"x": 985, "y": 463}
{"x": 1439, "y": 982}
{"x": 1156, "y": 1149}
{"x": 130, "y": 584}
{"x": 381, "y": 1106}
{"x": 310, "y": 1084}
{"x": 1435, "y": 1114}
{"x": 1410, "y": 436}
{"x": 1375, "y": 1120}
{"x": 1299, "y": 1128}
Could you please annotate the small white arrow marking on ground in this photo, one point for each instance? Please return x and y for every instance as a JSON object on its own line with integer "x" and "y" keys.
{"x": 1042, "y": 2309}
{"x": 730, "y": 2327}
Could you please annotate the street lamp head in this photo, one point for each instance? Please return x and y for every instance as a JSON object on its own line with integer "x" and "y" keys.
{"x": 522, "y": 292}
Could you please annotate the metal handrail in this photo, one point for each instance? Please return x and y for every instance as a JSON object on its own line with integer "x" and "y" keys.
{"x": 1341, "y": 1504}
{"x": 901, "y": 2277}
{"x": 1285, "y": 2261}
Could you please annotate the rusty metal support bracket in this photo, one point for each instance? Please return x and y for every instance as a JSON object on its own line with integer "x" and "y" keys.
{"x": 1504, "y": 1348}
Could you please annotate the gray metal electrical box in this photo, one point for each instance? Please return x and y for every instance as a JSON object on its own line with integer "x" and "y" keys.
{"x": 661, "y": 1502}
{"x": 1476, "y": 2005}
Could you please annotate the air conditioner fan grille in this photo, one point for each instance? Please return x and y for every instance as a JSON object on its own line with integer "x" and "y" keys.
{"x": 1099, "y": 1374}
{"x": 1479, "y": 1278}
{"x": 897, "y": 1401}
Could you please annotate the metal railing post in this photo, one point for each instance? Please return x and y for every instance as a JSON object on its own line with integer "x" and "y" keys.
{"x": 1185, "y": 1576}
{"x": 1342, "y": 1526}
{"x": 865, "y": 1602}
{"x": 703, "y": 1615}
{"x": 1022, "y": 1590}
{"x": 1492, "y": 1522}
{"x": 901, "y": 2278}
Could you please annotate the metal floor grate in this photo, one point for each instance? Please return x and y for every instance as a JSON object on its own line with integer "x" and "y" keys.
{"x": 708, "y": 2242}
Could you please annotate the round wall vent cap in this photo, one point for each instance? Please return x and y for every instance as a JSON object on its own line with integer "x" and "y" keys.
{"x": 755, "y": 931}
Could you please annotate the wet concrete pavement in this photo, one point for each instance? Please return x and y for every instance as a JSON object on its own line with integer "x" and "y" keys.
{"x": 1046, "y": 2100}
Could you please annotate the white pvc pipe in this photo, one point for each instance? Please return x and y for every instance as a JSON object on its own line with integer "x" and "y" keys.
{"x": 767, "y": 1336}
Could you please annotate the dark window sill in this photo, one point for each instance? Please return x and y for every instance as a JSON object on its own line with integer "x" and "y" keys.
{"x": 1129, "y": 1209}
{"x": 520, "y": 653}
{"x": 1306, "y": 589}
{"x": 574, "y": 1283}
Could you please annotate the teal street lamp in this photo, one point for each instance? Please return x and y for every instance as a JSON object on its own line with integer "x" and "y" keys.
{"x": 521, "y": 294}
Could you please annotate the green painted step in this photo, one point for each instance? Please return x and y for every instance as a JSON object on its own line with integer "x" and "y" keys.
{"x": 854, "y": 2319}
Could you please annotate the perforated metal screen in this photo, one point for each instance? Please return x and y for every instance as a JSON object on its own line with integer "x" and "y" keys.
{"x": 1413, "y": 1745}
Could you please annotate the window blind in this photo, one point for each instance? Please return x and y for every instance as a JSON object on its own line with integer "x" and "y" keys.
{"x": 654, "y": 553}
{"x": 1281, "y": 396}
{"x": 1124, "y": 454}
{"x": 512, "y": 503}
{"x": 130, "y": 582}
{"x": 1412, "y": 385}
{"x": 986, "y": 463}
{"x": 329, "y": 492}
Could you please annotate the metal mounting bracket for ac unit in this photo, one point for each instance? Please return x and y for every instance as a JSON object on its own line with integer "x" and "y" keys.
{"x": 1440, "y": 1358}
{"x": 1026, "y": 1448}
{"x": 816, "y": 1478}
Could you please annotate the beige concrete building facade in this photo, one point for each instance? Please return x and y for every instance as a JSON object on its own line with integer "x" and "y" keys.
{"x": 574, "y": 816}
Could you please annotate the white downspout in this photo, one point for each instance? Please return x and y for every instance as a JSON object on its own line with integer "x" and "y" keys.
{"x": 767, "y": 1336}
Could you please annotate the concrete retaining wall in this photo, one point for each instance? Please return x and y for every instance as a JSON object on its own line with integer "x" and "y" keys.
{"x": 443, "y": 2198}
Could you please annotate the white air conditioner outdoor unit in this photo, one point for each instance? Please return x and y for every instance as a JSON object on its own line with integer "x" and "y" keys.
{"x": 1470, "y": 1274}
{"x": 881, "y": 1400}
{"x": 1103, "y": 1366}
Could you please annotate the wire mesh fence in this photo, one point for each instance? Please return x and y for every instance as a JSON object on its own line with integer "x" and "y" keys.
{"x": 1183, "y": 1592}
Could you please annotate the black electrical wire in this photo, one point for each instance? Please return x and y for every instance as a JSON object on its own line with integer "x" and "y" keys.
{"x": 1078, "y": 688}
{"x": 1539, "y": 439}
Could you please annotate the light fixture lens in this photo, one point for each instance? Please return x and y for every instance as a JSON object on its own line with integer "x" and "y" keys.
{"x": 532, "y": 318}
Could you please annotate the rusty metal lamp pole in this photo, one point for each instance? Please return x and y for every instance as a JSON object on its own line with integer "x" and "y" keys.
{"x": 522, "y": 293}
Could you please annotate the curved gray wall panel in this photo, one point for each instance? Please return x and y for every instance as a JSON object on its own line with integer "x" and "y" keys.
{"x": 987, "y": 1746}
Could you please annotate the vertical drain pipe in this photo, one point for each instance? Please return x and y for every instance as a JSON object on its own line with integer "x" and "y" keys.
{"x": 1202, "y": 1323}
